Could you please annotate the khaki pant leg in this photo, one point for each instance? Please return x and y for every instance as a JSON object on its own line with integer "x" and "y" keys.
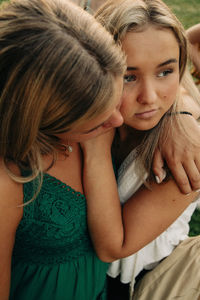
{"x": 176, "y": 277}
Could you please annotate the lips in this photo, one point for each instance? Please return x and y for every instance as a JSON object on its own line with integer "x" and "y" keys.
{"x": 146, "y": 114}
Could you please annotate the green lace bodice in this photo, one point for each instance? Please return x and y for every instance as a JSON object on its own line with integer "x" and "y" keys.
{"x": 53, "y": 228}
{"x": 53, "y": 257}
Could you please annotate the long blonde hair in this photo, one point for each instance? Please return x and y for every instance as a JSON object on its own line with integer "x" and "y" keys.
{"x": 57, "y": 66}
{"x": 122, "y": 16}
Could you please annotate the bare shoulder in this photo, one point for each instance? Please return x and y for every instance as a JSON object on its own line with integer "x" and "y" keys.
{"x": 193, "y": 33}
{"x": 11, "y": 196}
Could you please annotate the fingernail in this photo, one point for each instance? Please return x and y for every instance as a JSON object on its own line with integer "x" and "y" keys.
{"x": 198, "y": 190}
{"x": 157, "y": 179}
{"x": 164, "y": 174}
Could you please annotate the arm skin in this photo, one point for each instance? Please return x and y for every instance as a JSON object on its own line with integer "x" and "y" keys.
{"x": 182, "y": 158}
{"x": 120, "y": 231}
{"x": 10, "y": 216}
{"x": 193, "y": 34}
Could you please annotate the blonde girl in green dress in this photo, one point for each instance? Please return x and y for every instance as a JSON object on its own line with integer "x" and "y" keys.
{"x": 61, "y": 83}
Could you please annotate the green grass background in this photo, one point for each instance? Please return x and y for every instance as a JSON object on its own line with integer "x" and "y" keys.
{"x": 188, "y": 12}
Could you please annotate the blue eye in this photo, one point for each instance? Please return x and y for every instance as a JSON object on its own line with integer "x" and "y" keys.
{"x": 129, "y": 78}
{"x": 165, "y": 73}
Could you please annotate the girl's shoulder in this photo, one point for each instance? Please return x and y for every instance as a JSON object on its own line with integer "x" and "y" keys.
{"x": 11, "y": 192}
{"x": 10, "y": 217}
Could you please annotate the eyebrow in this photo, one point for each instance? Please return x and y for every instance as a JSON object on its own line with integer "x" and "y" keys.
{"x": 167, "y": 62}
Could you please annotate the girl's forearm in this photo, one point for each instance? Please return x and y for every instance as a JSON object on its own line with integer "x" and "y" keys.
{"x": 103, "y": 205}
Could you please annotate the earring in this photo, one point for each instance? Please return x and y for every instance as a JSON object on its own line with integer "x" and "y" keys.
{"x": 67, "y": 148}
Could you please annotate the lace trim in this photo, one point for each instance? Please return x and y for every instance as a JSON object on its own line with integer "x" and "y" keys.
{"x": 54, "y": 226}
{"x": 55, "y": 183}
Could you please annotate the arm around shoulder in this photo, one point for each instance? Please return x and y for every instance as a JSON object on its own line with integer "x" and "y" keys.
{"x": 117, "y": 231}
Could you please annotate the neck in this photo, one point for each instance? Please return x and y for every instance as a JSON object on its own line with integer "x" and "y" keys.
{"x": 127, "y": 139}
{"x": 130, "y": 135}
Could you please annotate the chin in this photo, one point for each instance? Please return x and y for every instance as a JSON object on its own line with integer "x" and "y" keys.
{"x": 145, "y": 127}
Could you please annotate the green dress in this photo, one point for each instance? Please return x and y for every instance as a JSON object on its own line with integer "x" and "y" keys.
{"x": 53, "y": 257}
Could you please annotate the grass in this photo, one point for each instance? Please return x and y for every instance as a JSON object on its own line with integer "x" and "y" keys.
{"x": 188, "y": 12}
{"x": 195, "y": 223}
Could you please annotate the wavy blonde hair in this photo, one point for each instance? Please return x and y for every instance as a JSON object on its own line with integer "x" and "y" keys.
{"x": 57, "y": 66}
{"x": 122, "y": 16}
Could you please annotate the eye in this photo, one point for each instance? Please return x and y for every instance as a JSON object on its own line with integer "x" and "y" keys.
{"x": 92, "y": 130}
{"x": 129, "y": 78}
{"x": 165, "y": 73}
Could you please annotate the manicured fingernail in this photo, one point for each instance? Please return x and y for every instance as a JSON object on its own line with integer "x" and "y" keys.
{"x": 157, "y": 179}
{"x": 164, "y": 174}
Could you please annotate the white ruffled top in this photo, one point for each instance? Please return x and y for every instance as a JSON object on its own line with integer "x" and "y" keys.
{"x": 149, "y": 256}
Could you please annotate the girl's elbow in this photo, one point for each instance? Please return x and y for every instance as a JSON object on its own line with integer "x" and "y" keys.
{"x": 112, "y": 255}
{"x": 107, "y": 256}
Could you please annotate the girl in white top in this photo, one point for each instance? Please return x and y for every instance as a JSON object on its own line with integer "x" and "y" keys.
{"x": 155, "y": 45}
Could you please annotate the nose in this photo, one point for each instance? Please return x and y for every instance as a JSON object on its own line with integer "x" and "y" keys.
{"x": 115, "y": 120}
{"x": 147, "y": 93}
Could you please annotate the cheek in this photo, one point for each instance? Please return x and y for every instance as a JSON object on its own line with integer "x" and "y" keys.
{"x": 170, "y": 93}
{"x": 128, "y": 104}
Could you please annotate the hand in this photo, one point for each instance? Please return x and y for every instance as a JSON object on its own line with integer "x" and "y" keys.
{"x": 182, "y": 156}
{"x": 99, "y": 144}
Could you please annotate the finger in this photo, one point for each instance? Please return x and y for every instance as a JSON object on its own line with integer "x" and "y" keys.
{"x": 197, "y": 162}
{"x": 157, "y": 166}
{"x": 192, "y": 168}
{"x": 181, "y": 178}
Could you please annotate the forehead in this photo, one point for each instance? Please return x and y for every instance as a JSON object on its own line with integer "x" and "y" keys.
{"x": 152, "y": 42}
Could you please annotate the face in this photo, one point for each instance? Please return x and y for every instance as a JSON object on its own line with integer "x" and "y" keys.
{"x": 102, "y": 123}
{"x": 151, "y": 81}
